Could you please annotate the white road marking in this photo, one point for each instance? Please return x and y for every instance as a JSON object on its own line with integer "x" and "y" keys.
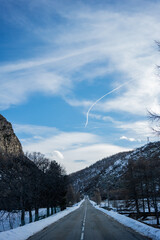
{"x": 83, "y": 225}
{"x": 82, "y": 236}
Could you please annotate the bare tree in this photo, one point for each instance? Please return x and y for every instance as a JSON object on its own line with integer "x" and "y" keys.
{"x": 155, "y": 116}
{"x": 97, "y": 196}
{"x": 70, "y": 196}
{"x": 38, "y": 180}
{"x": 155, "y": 119}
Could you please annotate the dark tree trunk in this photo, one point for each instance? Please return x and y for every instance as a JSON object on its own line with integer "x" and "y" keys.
{"x": 22, "y": 217}
{"x": 143, "y": 202}
{"x": 55, "y": 210}
{"x": 148, "y": 204}
{"x": 51, "y": 210}
{"x": 36, "y": 214}
{"x": 156, "y": 209}
{"x": 30, "y": 216}
{"x": 137, "y": 206}
{"x": 147, "y": 193}
{"x": 47, "y": 211}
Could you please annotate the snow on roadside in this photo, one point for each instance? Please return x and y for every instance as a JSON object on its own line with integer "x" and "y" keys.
{"x": 22, "y": 233}
{"x": 139, "y": 227}
{"x": 11, "y": 220}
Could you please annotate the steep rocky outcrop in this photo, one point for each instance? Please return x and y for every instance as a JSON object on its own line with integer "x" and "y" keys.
{"x": 9, "y": 143}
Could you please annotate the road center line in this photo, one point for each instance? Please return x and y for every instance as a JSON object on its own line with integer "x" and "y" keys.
{"x": 83, "y": 225}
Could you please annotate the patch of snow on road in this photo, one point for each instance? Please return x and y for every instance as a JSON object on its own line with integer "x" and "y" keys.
{"x": 23, "y": 233}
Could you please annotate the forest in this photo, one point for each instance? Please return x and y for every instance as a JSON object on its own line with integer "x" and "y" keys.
{"x": 30, "y": 182}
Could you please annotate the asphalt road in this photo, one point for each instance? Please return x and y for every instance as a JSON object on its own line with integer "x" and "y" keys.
{"x": 87, "y": 223}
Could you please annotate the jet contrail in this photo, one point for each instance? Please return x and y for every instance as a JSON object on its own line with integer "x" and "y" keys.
{"x": 115, "y": 89}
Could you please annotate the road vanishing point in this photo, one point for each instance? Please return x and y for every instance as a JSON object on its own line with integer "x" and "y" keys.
{"x": 87, "y": 223}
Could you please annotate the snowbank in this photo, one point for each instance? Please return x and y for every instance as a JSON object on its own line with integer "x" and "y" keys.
{"x": 139, "y": 227}
{"x": 22, "y": 233}
{"x": 11, "y": 220}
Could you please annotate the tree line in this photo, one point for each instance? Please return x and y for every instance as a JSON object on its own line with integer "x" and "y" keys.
{"x": 139, "y": 186}
{"x": 32, "y": 182}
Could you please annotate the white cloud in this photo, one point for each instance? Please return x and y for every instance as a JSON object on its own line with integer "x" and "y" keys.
{"x": 130, "y": 139}
{"x": 74, "y": 150}
{"x": 64, "y": 140}
{"x": 90, "y": 42}
{"x": 59, "y": 154}
{"x": 114, "y": 42}
{"x": 139, "y": 128}
{"x": 34, "y": 130}
{"x": 91, "y": 153}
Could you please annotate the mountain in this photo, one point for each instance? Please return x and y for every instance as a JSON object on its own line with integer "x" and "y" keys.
{"x": 9, "y": 143}
{"x": 108, "y": 173}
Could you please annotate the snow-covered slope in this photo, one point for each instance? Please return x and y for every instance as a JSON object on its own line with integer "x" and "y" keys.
{"x": 111, "y": 169}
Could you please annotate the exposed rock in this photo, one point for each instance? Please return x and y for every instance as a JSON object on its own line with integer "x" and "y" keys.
{"x": 9, "y": 143}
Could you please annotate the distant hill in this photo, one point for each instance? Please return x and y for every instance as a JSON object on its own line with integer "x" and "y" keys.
{"x": 109, "y": 171}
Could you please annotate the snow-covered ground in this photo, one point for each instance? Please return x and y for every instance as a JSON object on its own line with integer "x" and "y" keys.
{"x": 150, "y": 220}
{"x": 139, "y": 227}
{"x": 24, "y": 232}
{"x": 10, "y": 220}
{"x": 120, "y": 205}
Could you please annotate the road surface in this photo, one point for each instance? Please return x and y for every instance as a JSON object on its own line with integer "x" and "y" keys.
{"x": 87, "y": 223}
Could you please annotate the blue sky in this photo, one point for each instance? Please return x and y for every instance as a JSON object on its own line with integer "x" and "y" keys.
{"x": 59, "y": 57}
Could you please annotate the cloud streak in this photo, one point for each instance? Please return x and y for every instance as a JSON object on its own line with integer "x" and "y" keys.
{"x": 98, "y": 100}
{"x": 92, "y": 51}
{"x": 78, "y": 52}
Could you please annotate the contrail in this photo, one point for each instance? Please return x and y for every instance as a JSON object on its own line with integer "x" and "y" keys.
{"x": 115, "y": 89}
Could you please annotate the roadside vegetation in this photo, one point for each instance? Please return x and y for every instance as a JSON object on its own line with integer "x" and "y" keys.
{"x": 31, "y": 188}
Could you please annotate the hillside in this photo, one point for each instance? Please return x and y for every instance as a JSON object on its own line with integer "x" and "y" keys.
{"x": 29, "y": 182}
{"x": 108, "y": 173}
{"x": 15, "y": 167}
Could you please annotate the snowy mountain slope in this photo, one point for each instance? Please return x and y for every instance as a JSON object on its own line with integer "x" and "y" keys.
{"x": 109, "y": 171}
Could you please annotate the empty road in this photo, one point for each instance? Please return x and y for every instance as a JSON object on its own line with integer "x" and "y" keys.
{"x": 87, "y": 223}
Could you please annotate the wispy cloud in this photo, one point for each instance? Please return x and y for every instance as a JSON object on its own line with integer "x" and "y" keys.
{"x": 34, "y": 130}
{"x": 80, "y": 161}
{"x": 99, "y": 99}
{"x": 139, "y": 128}
{"x": 77, "y": 46}
{"x": 130, "y": 139}
{"x": 92, "y": 153}
{"x": 68, "y": 148}
{"x": 118, "y": 42}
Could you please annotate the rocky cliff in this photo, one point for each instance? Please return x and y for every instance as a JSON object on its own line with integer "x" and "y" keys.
{"x": 9, "y": 143}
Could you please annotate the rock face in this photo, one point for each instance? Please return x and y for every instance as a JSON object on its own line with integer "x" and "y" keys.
{"x": 9, "y": 143}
